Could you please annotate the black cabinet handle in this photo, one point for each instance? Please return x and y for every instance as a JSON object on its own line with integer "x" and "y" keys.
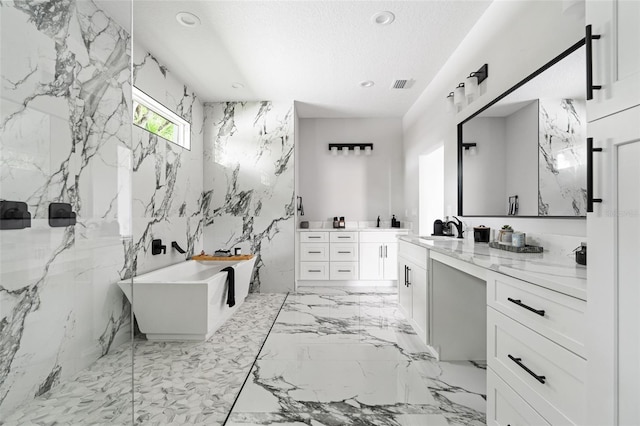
{"x": 344, "y": 270}
{"x": 343, "y": 236}
{"x": 541, "y": 379}
{"x": 590, "y": 199}
{"x": 315, "y": 270}
{"x": 344, "y": 252}
{"x": 529, "y": 308}
{"x": 315, "y": 252}
{"x": 408, "y": 276}
{"x": 313, "y": 236}
{"x": 406, "y": 279}
{"x": 589, "y": 37}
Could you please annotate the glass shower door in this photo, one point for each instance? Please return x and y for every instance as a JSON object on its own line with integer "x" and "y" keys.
{"x": 65, "y": 221}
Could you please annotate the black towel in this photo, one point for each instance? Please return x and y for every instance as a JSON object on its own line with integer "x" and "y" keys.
{"x": 231, "y": 292}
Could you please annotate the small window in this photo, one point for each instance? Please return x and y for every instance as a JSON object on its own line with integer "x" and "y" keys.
{"x": 156, "y": 118}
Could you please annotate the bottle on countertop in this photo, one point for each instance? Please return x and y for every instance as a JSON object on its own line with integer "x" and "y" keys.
{"x": 341, "y": 223}
{"x": 395, "y": 223}
{"x": 378, "y": 222}
{"x": 336, "y": 224}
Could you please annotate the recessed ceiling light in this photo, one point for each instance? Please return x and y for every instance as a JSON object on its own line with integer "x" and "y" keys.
{"x": 237, "y": 85}
{"x": 367, "y": 83}
{"x": 187, "y": 19}
{"x": 383, "y": 18}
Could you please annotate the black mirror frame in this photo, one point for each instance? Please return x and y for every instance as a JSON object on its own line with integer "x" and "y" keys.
{"x": 530, "y": 77}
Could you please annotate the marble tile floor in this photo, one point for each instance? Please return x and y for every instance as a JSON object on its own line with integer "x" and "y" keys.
{"x": 175, "y": 383}
{"x": 348, "y": 357}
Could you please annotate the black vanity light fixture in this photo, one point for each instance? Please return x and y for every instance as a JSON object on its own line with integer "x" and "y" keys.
{"x": 470, "y": 148}
{"x": 357, "y": 148}
{"x": 467, "y": 90}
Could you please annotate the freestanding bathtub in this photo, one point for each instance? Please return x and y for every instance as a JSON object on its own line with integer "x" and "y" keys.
{"x": 186, "y": 301}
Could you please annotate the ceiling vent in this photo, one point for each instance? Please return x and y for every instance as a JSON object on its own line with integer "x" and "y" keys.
{"x": 402, "y": 84}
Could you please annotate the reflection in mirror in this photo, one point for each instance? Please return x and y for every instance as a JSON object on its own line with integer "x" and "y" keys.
{"x": 529, "y": 157}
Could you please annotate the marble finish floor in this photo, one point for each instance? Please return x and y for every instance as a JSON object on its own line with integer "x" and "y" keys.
{"x": 175, "y": 383}
{"x": 348, "y": 357}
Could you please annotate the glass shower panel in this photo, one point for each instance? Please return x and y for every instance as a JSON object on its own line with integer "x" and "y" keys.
{"x": 65, "y": 214}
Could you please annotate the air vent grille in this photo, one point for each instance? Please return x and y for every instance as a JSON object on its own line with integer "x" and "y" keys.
{"x": 402, "y": 84}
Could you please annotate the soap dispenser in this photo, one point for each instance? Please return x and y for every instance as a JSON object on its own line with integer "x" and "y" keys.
{"x": 341, "y": 223}
{"x": 336, "y": 224}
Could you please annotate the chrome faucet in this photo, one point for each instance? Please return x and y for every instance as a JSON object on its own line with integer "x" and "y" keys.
{"x": 458, "y": 226}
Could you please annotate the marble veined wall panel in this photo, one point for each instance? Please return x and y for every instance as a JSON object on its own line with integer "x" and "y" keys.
{"x": 562, "y": 173}
{"x": 249, "y": 187}
{"x": 65, "y": 132}
{"x": 167, "y": 179}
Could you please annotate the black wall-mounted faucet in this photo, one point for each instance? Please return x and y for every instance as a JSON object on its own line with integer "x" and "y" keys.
{"x": 177, "y": 247}
{"x": 157, "y": 247}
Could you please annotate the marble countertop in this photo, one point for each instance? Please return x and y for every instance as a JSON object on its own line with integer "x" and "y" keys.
{"x": 354, "y": 229}
{"x": 548, "y": 269}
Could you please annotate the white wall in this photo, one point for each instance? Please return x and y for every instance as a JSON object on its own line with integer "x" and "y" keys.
{"x": 484, "y": 183}
{"x": 515, "y": 38}
{"x": 521, "y": 147}
{"x": 359, "y": 188}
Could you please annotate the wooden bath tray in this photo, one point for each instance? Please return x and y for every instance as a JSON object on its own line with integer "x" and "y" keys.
{"x": 209, "y": 257}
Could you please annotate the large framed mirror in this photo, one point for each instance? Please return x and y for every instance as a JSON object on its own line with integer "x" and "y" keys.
{"x": 524, "y": 154}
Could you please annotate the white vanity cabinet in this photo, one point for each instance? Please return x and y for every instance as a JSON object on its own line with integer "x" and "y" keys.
{"x": 314, "y": 255}
{"x": 535, "y": 354}
{"x": 413, "y": 286}
{"x": 379, "y": 254}
{"x": 613, "y": 230}
{"x": 615, "y": 55}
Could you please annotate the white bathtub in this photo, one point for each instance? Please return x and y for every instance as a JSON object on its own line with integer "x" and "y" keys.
{"x": 186, "y": 301}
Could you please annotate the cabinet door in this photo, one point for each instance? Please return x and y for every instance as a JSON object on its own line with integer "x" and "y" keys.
{"x": 419, "y": 302}
{"x": 390, "y": 260}
{"x": 404, "y": 290}
{"x": 613, "y": 231}
{"x": 371, "y": 261}
{"x": 616, "y": 58}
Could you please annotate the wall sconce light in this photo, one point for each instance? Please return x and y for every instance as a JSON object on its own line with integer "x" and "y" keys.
{"x": 470, "y": 148}
{"x": 450, "y": 105}
{"x": 346, "y": 147}
{"x": 458, "y": 95}
{"x": 474, "y": 79}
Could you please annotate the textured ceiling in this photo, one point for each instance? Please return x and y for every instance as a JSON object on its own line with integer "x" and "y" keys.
{"x": 314, "y": 52}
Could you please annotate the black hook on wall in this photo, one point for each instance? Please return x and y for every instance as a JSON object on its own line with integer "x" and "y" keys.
{"x": 60, "y": 215}
{"x": 14, "y": 215}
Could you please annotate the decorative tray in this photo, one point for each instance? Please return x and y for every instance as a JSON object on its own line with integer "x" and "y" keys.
{"x": 525, "y": 249}
{"x": 209, "y": 257}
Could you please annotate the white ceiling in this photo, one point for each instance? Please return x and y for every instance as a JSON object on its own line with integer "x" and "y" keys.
{"x": 313, "y": 52}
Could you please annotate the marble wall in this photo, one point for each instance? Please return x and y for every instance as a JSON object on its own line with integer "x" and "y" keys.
{"x": 562, "y": 173}
{"x": 65, "y": 136}
{"x": 167, "y": 179}
{"x": 249, "y": 187}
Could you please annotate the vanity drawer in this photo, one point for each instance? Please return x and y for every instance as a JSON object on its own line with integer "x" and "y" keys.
{"x": 512, "y": 348}
{"x": 343, "y": 237}
{"x": 314, "y": 237}
{"x": 314, "y": 270}
{"x": 314, "y": 252}
{"x": 343, "y": 271}
{"x": 345, "y": 252}
{"x": 381, "y": 236}
{"x": 414, "y": 253}
{"x": 505, "y": 407}
{"x": 556, "y": 316}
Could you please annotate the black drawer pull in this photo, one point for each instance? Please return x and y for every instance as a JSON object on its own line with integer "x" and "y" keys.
{"x": 529, "y": 308}
{"x": 344, "y": 252}
{"x": 315, "y": 270}
{"x": 541, "y": 379}
{"x": 590, "y": 199}
{"x": 343, "y": 236}
{"x": 589, "y": 37}
{"x": 314, "y": 236}
{"x": 344, "y": 270}
{"x": 315, "y": 252}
